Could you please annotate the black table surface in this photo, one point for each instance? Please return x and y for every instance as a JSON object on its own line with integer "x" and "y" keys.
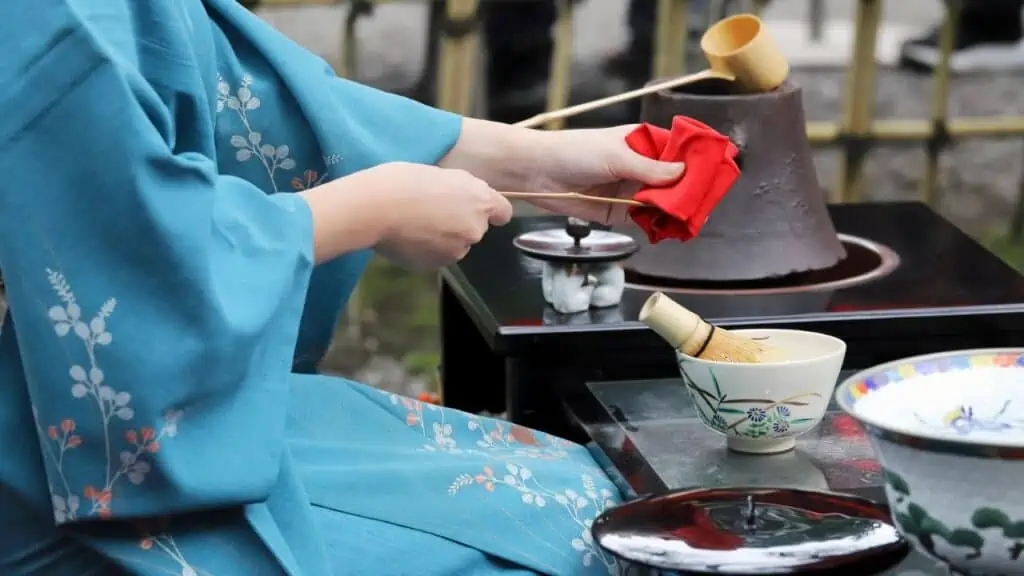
{"x": 648, "y": 430}
{"x": 946, "y": 283}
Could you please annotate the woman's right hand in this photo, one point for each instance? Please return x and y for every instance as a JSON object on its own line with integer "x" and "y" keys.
{"x": 434, "y": 215}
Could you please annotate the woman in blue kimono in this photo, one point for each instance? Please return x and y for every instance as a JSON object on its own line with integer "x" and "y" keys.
{"x": 188, "y": 199}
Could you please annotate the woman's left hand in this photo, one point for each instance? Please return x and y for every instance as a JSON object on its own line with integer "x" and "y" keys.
{"x": 596, "y": 162}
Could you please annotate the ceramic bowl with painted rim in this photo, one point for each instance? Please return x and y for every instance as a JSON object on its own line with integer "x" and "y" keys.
{"x": 948, "y": 431}
{"x": 761, "y": 408}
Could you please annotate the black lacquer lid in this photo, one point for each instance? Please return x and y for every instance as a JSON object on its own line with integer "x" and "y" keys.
{"x": 753, "y": 531}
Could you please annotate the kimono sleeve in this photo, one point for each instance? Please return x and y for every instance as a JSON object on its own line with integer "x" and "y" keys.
{"x": 356, "y": 125}
{"x": 155, "y": 302}
{"x": 390, "y": 127}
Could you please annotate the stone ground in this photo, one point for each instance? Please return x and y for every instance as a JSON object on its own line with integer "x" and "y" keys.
{"x": 390, "y": 337}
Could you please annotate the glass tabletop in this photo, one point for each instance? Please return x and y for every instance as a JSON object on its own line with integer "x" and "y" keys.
{"x": 649, "y": 431}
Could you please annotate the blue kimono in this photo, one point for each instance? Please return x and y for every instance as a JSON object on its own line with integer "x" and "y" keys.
{"x": 159, "y": 410}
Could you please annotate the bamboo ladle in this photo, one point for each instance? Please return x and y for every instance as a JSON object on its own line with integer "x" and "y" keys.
{"x": 738, "y": 49}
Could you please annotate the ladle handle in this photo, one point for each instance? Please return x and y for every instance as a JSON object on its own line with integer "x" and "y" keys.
{"x": 546, "y": 117}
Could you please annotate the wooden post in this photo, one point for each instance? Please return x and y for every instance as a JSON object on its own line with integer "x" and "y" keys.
{"x": 928, "y": 191}
{"x": 457, "y": 56}
{"x": 859, "y": 102}
{"x": 670, "y": 38}
{"x": 560, "y": 82}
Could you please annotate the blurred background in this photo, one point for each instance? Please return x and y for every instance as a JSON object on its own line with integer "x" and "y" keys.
{"x": 389, "y": 338}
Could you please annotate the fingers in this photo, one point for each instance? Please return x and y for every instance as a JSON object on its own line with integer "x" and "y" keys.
{"x": 497, "y": 207}
{"x": 459, "y": 254}
{"x": 497, "y": 211}
{"x": 500, "y": 211}
{"x": 640, "y": 168}
{"x": 625, "y": 164}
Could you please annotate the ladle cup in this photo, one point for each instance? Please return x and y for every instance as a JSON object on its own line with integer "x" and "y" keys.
{"x": 738, "y": 49}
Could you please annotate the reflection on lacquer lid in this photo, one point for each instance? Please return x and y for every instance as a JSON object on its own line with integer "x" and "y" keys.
{"x": 752, "y": 531}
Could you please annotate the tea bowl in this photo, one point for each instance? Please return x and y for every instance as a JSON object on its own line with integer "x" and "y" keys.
{"x": 762, "y": 408}
{"x": 948, "y": 431}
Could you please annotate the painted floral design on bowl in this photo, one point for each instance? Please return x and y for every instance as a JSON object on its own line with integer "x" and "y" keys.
{"x": 973, "y": 398}
{"x": 746, "y": 417}
{"x": 947, "y": 430}
{"x": 964, "y": 420}
{"x": 990, "y": 531}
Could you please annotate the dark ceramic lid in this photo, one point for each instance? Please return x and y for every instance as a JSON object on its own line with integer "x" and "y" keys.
{"x": 753, "y": 531}
{"x": 577, "y": 242}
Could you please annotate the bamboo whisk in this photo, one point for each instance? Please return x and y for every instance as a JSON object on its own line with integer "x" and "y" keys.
{"x": 691, "y": 335}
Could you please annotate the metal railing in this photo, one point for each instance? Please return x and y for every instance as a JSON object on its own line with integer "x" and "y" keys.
{"x": 856, "y": 133}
